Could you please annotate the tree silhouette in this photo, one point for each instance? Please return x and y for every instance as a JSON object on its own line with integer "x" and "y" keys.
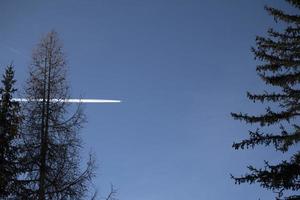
{"x": 50, "y": 132}
{"x": 9, "y": 123}
{"x": 279, "y": 54}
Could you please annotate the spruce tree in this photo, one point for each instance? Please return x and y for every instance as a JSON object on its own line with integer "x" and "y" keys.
{"x": 278, "y": 126}
{"x": 9, "y": 124}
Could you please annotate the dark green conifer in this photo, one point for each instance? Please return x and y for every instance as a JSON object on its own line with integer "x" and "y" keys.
{"x": 279, "y": 53}
{"x": 9, "y": 120}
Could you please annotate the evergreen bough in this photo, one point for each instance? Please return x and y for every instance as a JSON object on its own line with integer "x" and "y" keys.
{"x": 9, "y": 134}
{"x": 279, "y": 53}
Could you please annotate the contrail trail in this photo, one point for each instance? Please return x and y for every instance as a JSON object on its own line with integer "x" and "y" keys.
{"x": 12, "y": 49}
{"x": 16, "y": 51}
{"x": 71, "y": 100}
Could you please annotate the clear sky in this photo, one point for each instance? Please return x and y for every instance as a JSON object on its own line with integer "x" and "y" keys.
{"x": 180, "y": 67}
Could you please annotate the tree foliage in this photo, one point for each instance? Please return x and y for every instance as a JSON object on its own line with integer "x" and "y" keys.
{"x": 9, "y": 123}
{"x": 279, "y": 53}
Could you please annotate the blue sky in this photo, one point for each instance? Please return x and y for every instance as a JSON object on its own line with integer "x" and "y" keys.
{"x": 180, "y": 68}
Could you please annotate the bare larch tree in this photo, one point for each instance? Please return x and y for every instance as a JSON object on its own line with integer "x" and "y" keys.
{"x": 51, "y": 161}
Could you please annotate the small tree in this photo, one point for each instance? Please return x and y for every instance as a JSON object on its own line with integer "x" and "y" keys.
{"x": 9, "y": 123}
{"x": 280, "y": 56}
{"x": 50, "y": 133}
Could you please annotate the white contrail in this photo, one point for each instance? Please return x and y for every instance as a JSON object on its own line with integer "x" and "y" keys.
{"x": 71, "y": 100}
